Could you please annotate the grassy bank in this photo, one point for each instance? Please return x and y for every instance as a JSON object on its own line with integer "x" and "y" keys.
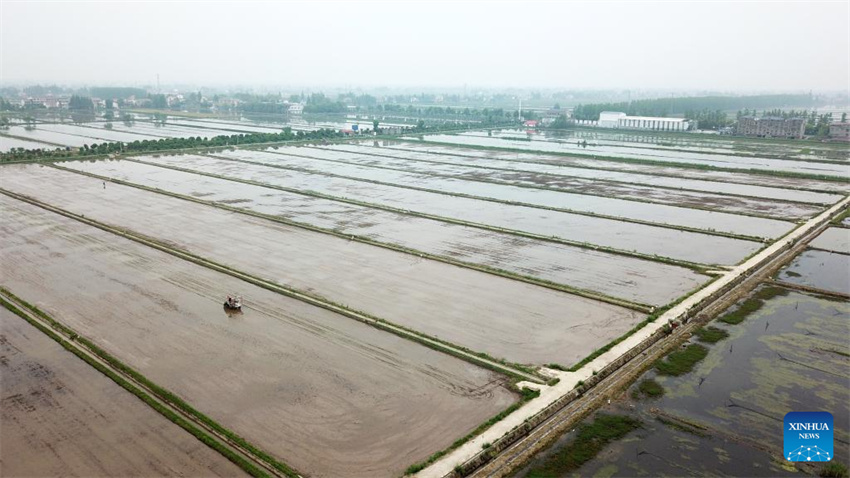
{"x": 681, "y": 361}
{"x": 711, "y": 334}
{"x": 752, "y": 304}
{"x": 591, "y": 438}
{"x": 648, "y": 388}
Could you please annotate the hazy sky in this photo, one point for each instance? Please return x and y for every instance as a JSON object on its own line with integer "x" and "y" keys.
{"x": 707, "y": 45}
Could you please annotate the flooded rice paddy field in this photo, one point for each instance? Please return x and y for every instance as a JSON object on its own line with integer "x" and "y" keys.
{"x": 613, "y": 149}
{"x": 716, "y": 143}
{"x": 505, "y": 318}
{"x": 327, "y": 394}
{"x": 676, "y": 172}
{"x": 653, "y": 213}
{"x": 7, "y": 143}
{"x": 143, "y": 127}
{"x": 370, "y": 156}
{"x": 332, "y": 396}
{"x": 704, "y": 144}
{"x": 721, "y": 161}
{"x": 393, "y": 153}
{"x": 789, "y": 355}
{"x": 53, "y": 138}
{"x": 232, "y": 127}
{"x": 819, "y": 269}
{"x": 647, "y": 239}
{"x": 834, "y": 239}
{"x": 76, "y": 135}
{"x": 614, "y": 275}
{"x": 61, "y": 417}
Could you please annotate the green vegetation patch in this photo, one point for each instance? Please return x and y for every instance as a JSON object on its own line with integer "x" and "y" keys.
{"x": 648, "y": 388}
{"x": 834, "y": 469}
{"x": 681, "y": 361}
{"x": 590, "y": 440}
{"x": 711, "y": 335}
{"x": 754, "y": 303}
{"x": 839, "y": 219}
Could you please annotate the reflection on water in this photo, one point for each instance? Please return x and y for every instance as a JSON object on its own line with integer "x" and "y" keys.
{"x": 820, "y": 269}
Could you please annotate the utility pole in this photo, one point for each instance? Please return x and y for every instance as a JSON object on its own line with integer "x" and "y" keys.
{"x": 157, "y": 84}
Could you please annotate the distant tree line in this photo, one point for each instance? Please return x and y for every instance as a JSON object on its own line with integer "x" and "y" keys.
{"x": 675, "y": 106}
{"x": 708, "y": 119}
{"x": 319, "y": 103}
{"x": 7, "y": 106}
{"x": 158, "y": 101}
{"x": 560, "y": 122}
{"x": 264, "y": 107}
{"x": 79, "y": 102}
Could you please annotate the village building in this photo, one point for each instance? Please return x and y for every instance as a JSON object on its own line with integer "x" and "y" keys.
{"x": 771, "y": 127}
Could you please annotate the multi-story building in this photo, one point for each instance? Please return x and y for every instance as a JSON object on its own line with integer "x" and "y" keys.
{"x": 839, "y": 131}
{"x": 771, "y": 127}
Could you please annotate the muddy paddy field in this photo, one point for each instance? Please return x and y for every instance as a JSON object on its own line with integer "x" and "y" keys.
{"x": 472, "y": 269}
{"x": 321, "y": 392}
{"x": 504, "y": 318}
{"x": 698, "y": 159}
{"x": 649, "y": 281}
{"x": 661, "y": 214}
{"x": 705, "y": 146}
{"x": 383, "y": 152}
{"x": 553, "y": 177}
{"x": 60, "y": 417}
{"x": 662, "y": 170}
{"x": 600, "y": 231}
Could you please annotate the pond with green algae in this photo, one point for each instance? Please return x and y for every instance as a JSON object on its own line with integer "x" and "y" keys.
{"x": 726, "y": 416}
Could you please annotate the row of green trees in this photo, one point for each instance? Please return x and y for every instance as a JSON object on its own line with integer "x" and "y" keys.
{"x": 708, "y": 119}
{"x": 80, "y": 103}
{"x": 318, "y": 103}
{"x": 164, "y": 144}
{"x": 674, "y": 106}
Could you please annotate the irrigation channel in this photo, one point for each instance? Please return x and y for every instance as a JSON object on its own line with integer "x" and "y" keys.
{"x": 518, "y": 438}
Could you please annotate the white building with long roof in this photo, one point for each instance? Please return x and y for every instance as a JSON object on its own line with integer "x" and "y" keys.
{"x": 616, "y": 119}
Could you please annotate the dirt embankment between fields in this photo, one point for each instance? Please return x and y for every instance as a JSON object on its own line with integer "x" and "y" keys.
{"x": 62, "y": 418}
